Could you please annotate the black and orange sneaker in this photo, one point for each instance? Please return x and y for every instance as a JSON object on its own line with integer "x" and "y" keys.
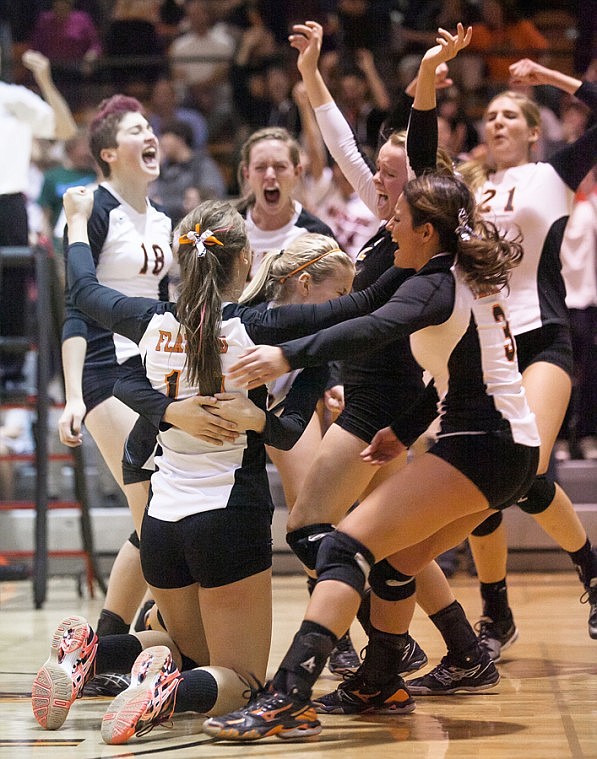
{"x": 148, "y": 701}
{"x": 61, "y": 679}
{"x": 356, "y": 696}
{"x": 268, "y": 713}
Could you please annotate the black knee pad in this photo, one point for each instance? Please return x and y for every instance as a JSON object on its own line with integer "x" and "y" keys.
{"x": 134, "y": 539}
{"x": 489, "y": 525}
{"x": 345, "y": 559}
{"x": 390, "y": 584}
{"x": 305, "y": 542}
{"x": 539, "y": 496}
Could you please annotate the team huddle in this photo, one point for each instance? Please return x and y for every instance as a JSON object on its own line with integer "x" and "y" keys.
{"x": 452, "y": 318}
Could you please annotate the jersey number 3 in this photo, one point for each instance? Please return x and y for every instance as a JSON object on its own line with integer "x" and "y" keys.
{"x": 509, "y": 344}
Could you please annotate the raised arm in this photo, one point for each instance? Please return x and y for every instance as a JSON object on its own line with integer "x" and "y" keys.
{"x": 379, "y": 92}
{"x": 39, "y": 65}
{"x": 307, "y": 39}
{"x": 448, "y": 46}
{"x": 528, "y": 72}
{"x": 337, "y": 134}
{"x": 310, "y": 134}
{"x": 573, "y": 161}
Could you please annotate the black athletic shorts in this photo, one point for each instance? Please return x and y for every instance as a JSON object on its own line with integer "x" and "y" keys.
{"x": 552, "y": 343}
{"x": 99, "y": 381}
{"x": 502, "y": 469}
{"x": 212, "y": 548}
{"x": 370, "y": 408}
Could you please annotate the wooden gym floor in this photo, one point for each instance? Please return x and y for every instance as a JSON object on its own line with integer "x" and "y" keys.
{"x": 544, "y": 706}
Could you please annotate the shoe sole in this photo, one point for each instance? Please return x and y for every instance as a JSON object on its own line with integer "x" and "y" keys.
{"x": 231, "y": 734}
{"x": 395, "y": 710}
{"x": 53, "y": 690}
{"x": 119, "y": 723}
{"x": 423, "y": 691}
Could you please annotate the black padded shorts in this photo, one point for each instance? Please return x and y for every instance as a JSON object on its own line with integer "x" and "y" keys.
{"x": 212, "y": 548}
{"x": 502, "y": 469}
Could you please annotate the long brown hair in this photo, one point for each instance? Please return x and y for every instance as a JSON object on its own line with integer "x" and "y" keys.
{"x": 484, "y": 256}
{"x": 206, "y": 271}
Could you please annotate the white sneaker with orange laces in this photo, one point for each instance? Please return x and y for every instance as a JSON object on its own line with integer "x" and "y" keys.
{"x": 148, "y": 701}
{"x": 61, "y": 679}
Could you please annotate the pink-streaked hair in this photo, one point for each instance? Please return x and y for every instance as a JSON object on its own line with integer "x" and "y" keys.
{"x": 104, "y": 126}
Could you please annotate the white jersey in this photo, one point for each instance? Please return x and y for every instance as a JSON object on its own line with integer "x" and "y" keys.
{"x": 179, "y": 490}
{"x": 529, "y": 200}
{"x": 264, "y": 240}
{"x": 132, "y": 254}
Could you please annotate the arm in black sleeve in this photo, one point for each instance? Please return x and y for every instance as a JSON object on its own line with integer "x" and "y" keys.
{"x": 415, "y": 420}
{"x": 287, "y": 322}
{"x": 135, "y": 390}
{"x": 420, "y": 302}
{"x": 109, "y": 308}
{"x": 573, "y": 162}
{"x": 334, "y": 374}
{"x": 163, "y": 289}
{"x": 421, "y": 140}
{"x": 299, "y": 405}
{"x": 75, "y": 321}
{"x": 587, "y": 92}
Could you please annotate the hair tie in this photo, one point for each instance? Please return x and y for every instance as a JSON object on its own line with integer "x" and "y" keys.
{"x": 304, "y": 266}
{"x": 464, "y": 230}
{"x": 200, "y": 239}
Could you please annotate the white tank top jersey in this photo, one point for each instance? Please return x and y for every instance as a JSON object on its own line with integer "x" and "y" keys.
{"x": 136, "y": 254}
{"x": 527, "y": 200}
{"x": 179, "y": 489}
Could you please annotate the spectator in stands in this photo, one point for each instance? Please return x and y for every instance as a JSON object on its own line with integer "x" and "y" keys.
{"x": 164, "y": 106}
{"x": 71, "y": 42}
{"x": 23, "y": 117}
{"x": 16, "y": 437}
{"x": 460, "y": 134}
{"x": 200, "y": 59}
{"x": 78, "y": 168}
{"x": 256, "y": 49}
{"x": 363, "y": 24}
{"x": 133, "y": 32}
{"x": 576, "y": 118}
{"x": 363, "y": 98}
{"x": 352, "y": 222}
{"x": 184, "y": 168}
{"x": 504, "y": 36}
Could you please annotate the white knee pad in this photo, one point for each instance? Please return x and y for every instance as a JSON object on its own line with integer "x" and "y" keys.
{"x": 233, "y": 691}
